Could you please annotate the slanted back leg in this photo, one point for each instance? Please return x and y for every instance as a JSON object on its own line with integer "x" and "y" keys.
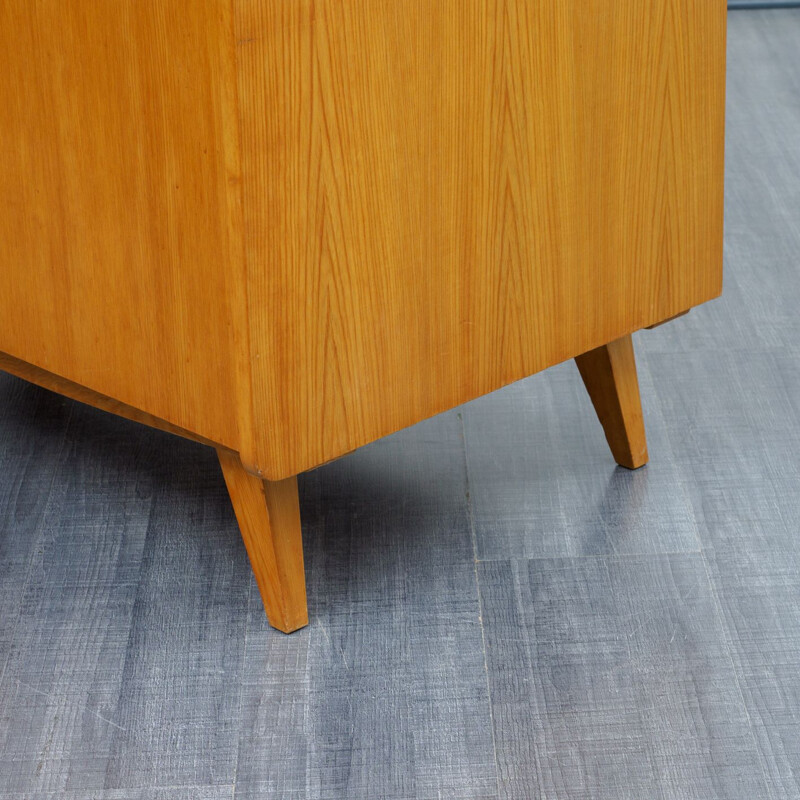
{"x": 609, "y": 374}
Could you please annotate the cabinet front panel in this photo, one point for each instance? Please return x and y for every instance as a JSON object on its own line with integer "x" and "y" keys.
{"x": 443, "y": 197}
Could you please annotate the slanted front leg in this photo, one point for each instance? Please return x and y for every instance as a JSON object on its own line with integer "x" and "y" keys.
{"x": 269, "y": 519}
{"x": 609, "y": 374}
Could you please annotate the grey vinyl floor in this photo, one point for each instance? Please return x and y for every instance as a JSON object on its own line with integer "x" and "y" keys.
{"x": 496, "y": 610}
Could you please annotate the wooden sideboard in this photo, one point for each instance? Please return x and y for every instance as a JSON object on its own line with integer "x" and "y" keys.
{"x": 286, "y": 229}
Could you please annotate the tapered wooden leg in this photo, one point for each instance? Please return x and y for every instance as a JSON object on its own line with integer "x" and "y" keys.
{"x": 609, "y": 373}
{"x": 269, "y": 519}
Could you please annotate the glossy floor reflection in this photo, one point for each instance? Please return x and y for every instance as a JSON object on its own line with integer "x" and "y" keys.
{"x": 497, "y": 611}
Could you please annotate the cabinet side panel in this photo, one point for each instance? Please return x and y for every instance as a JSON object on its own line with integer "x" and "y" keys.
{"x": 442, "y": 198}
{"x": 119, "y": 186}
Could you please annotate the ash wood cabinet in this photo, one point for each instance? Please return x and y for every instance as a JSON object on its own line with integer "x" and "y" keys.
{"x": 286, "y": 228}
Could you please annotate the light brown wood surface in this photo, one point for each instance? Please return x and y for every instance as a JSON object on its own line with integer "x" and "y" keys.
{"x": 269, "y": 519}
{"x": 609, "y": 374}
{"x": 288, "y": 228}
{"x": 55, "y": 383}
{"x": 438, "y": 199}
{"x": 121, "y": 264}
{"x": 441, "y": 198}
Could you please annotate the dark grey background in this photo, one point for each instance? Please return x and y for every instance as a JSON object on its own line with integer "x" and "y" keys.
{"x": 496, "y": 610}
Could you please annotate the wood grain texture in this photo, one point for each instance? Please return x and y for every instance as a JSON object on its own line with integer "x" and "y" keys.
{"x": 443, "y": 198}
{"x": 580, "y": 659}
{"x": 269, "y": 519}
{"x": 292, "y": 228}
{"x": 55, "y": 383}
{"x": 609, "y": 374}
{"x": 120, "y": 237}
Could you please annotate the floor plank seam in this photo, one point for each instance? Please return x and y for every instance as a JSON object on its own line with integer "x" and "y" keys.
{"x": 473, "y": 536}
{"x": 241, "y": 689}
{"x": 592, "y": 556}
{"x": 729, "y": 650}
{"x": 29, "y": 571}
{"x": 131, "y": 635}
